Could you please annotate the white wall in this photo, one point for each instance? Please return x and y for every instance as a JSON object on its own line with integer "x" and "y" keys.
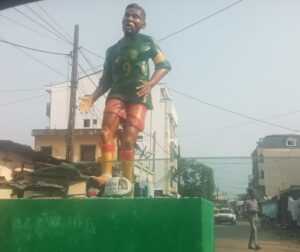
{"x": 86, "y": 87}
{"x": 59, "y": 106}
{"x": 60, "y": 99}
{"x": 159, "y": 121}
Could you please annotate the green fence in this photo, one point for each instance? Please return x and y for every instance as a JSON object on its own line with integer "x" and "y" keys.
{"x": 108, "y": 225}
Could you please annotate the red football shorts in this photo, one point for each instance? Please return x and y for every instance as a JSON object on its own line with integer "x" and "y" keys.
{"x": 130, "y": 114}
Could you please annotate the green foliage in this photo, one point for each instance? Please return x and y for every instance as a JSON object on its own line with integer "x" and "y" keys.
{"x": 196, "y": 179}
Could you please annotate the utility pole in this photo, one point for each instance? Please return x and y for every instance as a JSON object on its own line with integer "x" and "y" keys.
{"x": 72, "y": 105}
{"x": 153, "y": 151}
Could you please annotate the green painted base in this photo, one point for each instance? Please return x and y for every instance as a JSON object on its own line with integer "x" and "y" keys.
{"x": 108, "y": 225}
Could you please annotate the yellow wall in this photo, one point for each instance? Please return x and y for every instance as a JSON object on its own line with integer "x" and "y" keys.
{"x": 58, "y": 145}
{"x": 5, "y": 193}
{"x": 86, "y": 140}
{"x": 5, "y": 172}
{"x": 281, "y": 169}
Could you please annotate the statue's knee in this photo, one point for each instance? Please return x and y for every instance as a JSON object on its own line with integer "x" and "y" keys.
{"x": 105, "y": 135}
{"x": 128, "y": 142}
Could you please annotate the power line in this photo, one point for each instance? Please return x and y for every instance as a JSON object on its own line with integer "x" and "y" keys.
{"x": 40, "y": 62}
{"x": 52, "y": 19}
{"x": 66, "y": 36}
{"x": 91, "y": 80}
{"x": 29, "y": 89}
{"x": 61, "y": 35}
{"x": 225, "y": 163}
{"x": 27, "y": 27}
{"x": 278, "y": 116}
{"x": 67, "y": 81}
{"x": 86, "y": 59}
{"x": 185, "y": 27}
{"x": 20, "y": 90}
{"x": 88, "y": 76}
{"x": 218, "y": 157}
{"x": 33, "y": 49}
{"x": 233, "y": 112}
{"x": 157, "y": 144}
{"x": 200, "y": 20}
{"x": 22, "y": 100}
{"x": 92, "y": 53}
{"x": 38, "y": 23}
{"x": 57, "y": 83}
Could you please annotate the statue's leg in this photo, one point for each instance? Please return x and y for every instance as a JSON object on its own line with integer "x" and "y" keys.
{"x": 134, "y": 124}
{"x": 128, "y": 141}
{"x": 110, "y": 124}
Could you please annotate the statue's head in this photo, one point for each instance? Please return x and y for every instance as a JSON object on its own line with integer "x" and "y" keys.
{"x": 134, "y": 19}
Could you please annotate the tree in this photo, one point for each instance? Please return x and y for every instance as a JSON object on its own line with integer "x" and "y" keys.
{"x": 195, "y": 179}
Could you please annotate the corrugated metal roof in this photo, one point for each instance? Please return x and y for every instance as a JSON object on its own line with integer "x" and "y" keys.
{"x": 27, "y": 152}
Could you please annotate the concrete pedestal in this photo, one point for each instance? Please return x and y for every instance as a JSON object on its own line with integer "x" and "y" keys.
{"x": 106, "y": 225}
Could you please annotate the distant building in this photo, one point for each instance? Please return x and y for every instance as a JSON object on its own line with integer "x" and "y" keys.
{"x": 276, "y": 164}
{"x": 158, "y": 141}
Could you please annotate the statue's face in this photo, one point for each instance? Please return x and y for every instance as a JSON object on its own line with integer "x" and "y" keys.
{"x": 133, "y": 21}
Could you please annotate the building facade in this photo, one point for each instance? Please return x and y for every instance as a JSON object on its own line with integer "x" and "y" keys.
{"x": 276, "y": 164}
{"x": 157, "y": 146}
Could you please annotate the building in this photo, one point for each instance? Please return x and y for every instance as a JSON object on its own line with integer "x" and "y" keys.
{"x": 276, "y": 164}
{"x": 156, "y": 148}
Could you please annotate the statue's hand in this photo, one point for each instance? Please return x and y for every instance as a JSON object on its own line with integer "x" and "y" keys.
{"x": 86, "y": 103}
{"x": 144, "y": 89}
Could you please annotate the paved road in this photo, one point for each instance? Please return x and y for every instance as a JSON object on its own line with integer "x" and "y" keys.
{"x": 235, "y": 239}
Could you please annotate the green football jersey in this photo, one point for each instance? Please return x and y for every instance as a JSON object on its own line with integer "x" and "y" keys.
{"x": 127, "y": 65}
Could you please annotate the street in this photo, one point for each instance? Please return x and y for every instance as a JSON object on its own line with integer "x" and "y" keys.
{"x": 235, "y": 239}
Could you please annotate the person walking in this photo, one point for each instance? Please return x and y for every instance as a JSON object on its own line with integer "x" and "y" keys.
{"x": 252, "y": 210}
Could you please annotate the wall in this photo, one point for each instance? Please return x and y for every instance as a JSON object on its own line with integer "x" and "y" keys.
{"x": 85, "y": 140}
{"x": 281, "y": 169}
{"x": 163, "y": 120}
{"x": 127, "y": 225}
{"x": 60, "y": 98}
{"x": 57, "y": 143}
{"x": 86, "y": 87}
{"x": 5, "y": 172}
{"x": 59, "y": 108}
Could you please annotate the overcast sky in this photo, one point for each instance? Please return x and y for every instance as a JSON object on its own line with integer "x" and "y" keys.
{"x": 245, "y": 59}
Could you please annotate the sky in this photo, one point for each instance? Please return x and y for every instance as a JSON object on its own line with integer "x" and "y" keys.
{"x": 244, "y": 59}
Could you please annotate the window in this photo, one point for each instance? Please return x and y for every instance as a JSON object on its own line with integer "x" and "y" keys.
{"x": 140, "y": 138}
{"x": 158, "y": 193}
{"x": 291, "y": 142}
{"x": 95, "y": 122}
{"x": 164, "y": 95}
{"x": 86, "y": 123}
{"x": 226, "y": 211}
{"x": 88, "y": 153}
{"x": 47, "y": 150}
